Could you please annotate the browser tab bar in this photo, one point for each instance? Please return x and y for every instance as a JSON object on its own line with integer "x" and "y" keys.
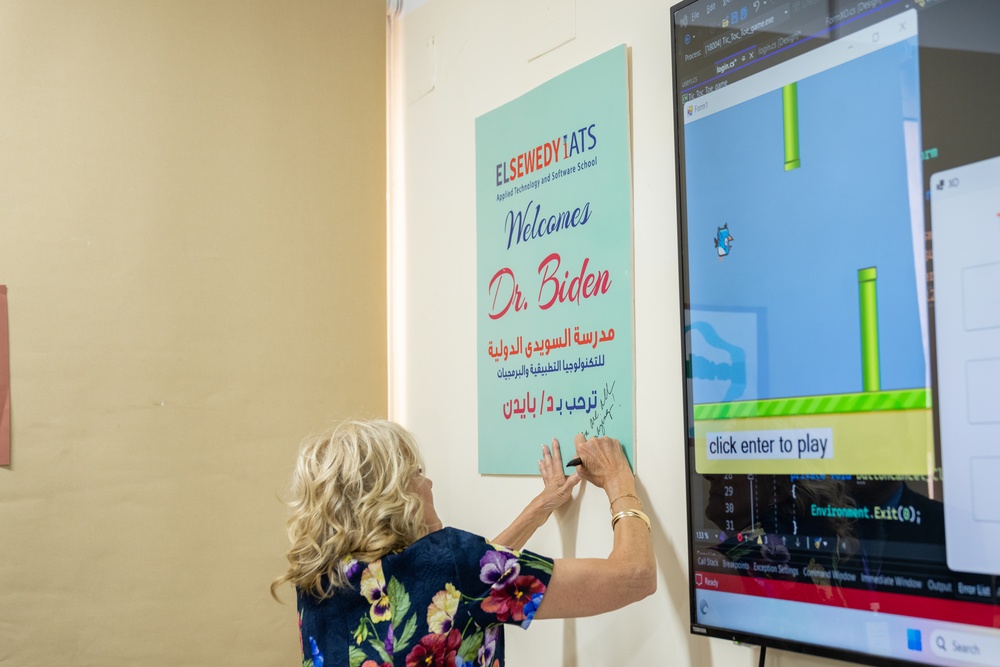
{"x": 856, "y": 45}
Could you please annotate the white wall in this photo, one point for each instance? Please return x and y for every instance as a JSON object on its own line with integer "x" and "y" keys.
{"x": 455, "y": 60}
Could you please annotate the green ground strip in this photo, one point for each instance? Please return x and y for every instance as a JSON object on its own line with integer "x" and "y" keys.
{"x": 874, "y": 401}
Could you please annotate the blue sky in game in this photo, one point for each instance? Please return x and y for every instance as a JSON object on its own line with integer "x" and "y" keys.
{"x": 799, "y": 237}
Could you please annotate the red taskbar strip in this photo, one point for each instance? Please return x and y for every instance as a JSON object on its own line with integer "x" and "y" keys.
{"x": 954, "y": 611}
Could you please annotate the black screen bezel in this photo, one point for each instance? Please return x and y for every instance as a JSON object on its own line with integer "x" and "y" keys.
{"x": 762, "y": 640}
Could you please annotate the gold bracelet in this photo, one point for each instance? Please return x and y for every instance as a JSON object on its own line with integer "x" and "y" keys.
{"x": 626, "y": 513}
{"x": 624, "y": 495}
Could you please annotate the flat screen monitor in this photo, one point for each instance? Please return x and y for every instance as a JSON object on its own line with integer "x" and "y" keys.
{"x": 838, "y": 176}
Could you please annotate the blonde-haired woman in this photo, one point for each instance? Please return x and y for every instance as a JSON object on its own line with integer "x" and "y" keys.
{"x": 380, "y": 582}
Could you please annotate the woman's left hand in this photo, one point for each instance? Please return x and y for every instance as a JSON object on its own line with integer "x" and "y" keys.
{"x": 557, "y": 491}
{"x": 558, "y": 488}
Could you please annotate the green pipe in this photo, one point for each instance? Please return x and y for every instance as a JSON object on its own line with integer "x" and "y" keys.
{"x": 790, "y": 109}
{"x": 868, "y": 298}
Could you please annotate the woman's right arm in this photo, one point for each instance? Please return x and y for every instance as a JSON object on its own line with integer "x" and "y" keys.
{"x": 589, "y": 586}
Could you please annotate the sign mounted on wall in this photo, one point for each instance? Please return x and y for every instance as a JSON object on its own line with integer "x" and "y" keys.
{"x": 554, "y": 267}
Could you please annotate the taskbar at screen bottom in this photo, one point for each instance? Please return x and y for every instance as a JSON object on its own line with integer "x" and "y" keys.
{"x": 830, "y": 629}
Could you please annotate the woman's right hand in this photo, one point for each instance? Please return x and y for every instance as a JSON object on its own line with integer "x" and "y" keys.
{"x": 588, "y": 586}
{"x": 604, "y": 460}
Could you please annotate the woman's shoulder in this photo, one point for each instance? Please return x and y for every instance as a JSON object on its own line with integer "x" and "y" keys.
{"x": 448, "y": 538}
{"x": 452, "y": 547}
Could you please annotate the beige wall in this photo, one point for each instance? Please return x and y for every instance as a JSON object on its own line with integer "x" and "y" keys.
{"x": 192, "y": 229}
{"x": 458, "y": 61}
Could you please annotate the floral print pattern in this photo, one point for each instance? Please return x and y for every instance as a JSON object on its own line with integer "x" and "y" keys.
{"x": 497, "y": 568}
{"x": 441, "y": 612}
{"x": 441, "y": 602}
{"x": 374, "y": 589}
{"x": 435, "y": 650}
{"x": 507, "y": 601}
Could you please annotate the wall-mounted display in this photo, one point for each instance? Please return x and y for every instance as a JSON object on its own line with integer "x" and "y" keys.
{"x": 839, "y": 231}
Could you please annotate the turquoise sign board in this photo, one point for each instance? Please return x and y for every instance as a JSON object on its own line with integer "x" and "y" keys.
{"x": 554, "y": 267}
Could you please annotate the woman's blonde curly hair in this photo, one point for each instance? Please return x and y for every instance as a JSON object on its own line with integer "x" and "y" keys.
{"x": 352, "y": 496}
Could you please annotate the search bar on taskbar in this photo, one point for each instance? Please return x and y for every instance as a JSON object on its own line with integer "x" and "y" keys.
{"x": 977, "y": 649}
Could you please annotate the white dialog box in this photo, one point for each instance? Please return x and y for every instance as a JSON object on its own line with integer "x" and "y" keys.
{"x": 965, "y": 221}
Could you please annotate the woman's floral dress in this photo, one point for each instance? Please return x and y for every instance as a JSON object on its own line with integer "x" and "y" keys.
{"x": 441, "y": 602}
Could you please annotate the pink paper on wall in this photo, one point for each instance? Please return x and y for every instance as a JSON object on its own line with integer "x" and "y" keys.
{"x": 4, "y": 381}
